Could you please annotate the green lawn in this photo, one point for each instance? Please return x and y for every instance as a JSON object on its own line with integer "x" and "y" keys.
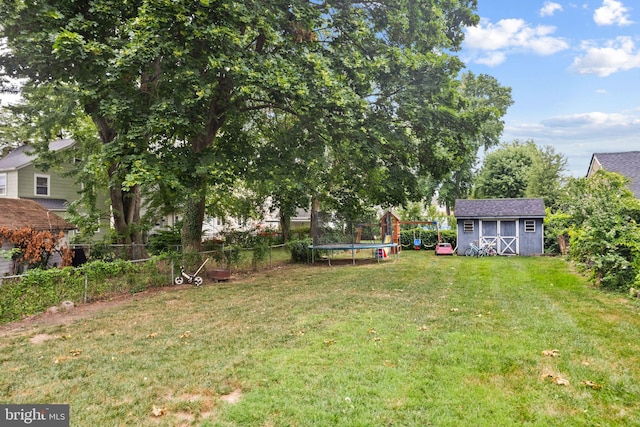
{"x": 444, "y": 341}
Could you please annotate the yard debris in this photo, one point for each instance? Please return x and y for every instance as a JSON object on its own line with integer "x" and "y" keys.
{"x": 371, "y": 331}
{"x": 454, "y": 310}
{"x": 591, "y": 384}
{"x": 76, "y": 352}
{"x": 158, "y": 412}
{"x": 152, "y": 335}
{"x": 423, "y": 328}
{"x": 556, "y": 379}
{"x": 551, "y": 353}
{"x": 329, "y": 342}
{"x": 187, "y": 334}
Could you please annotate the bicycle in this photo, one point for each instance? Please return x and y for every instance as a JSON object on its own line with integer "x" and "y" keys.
{"x": 473, "y": 250}
{"x": 477, "y": 251}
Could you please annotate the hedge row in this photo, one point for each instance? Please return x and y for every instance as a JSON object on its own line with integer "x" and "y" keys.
{"x": 40, "y": 289}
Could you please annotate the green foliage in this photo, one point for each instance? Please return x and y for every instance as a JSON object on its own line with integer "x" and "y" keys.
{"x": 521, "y": 169}
{"x": 299, "y": 249}
{"x": 164, "y": 241}
{"x": 39, "y": 289}
{"x": 602, "y": 218}
{"x": 429, "y": 238}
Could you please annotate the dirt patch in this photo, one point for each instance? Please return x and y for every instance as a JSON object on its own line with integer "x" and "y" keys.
{"x": 233, "y": 397}
{"x": 40, "y": 338}
{"x": 81, "y": 311}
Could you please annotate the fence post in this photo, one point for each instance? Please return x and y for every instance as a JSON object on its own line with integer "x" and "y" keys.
{"x": 86, "y": 285}
{"x": 171, "y": 278}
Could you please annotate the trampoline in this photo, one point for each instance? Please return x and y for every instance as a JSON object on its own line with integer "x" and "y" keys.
{"x": 380, "y": 250}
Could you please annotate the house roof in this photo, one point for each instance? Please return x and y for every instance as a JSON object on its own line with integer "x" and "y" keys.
{"x": 23, "y": 155}
{"x": 500, "y": 208}
{"x": 625, "y": 163}
{"x": 50, "y": 204}
{"x": 17, "y": 213}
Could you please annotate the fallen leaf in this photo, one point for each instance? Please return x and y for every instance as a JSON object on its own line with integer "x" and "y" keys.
{"x": 76, "y": 352}
{"x": 422, "y": 328}
{"x": 371, "y": 331}
{"x": 158, "y": 412}
{"x": 551, "y": 353}
{"x": 454, "y": 309}
{"x": 187, "y": 334}
{"x": 152, "y": 335}
{"x": 377, "y": 339}
{"x": 592, "y": 385}
{"x": 561, "y": 381}
{"x": 329, "y": 342}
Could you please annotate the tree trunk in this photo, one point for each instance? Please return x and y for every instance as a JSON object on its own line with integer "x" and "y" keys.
{"x": 315, "y": 208}
{"x": 193, "y": 219}
{"x": 285, "y": 225}
{"x": 125, "y": 205}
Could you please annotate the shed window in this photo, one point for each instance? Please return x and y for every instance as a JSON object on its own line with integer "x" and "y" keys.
{"x": 468, "y": 226}
{"x": 529, "y": 226}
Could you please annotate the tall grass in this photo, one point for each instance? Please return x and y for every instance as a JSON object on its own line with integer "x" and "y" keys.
{"x": 422, "y": 341}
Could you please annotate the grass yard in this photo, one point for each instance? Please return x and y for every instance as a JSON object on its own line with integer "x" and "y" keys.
{"x": 442, "y": 341}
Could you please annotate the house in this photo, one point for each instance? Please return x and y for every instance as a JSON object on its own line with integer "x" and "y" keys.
{"x": 512, "y": 226}
{"x": 624, "y": 163}
{"x": 19, "y": 213}
{"x": 53, "y": 189}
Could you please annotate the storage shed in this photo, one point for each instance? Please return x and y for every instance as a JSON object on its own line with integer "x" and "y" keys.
{"x": 512, "y": 226}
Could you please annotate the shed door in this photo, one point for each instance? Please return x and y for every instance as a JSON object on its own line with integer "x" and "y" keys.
{"x": 508, "y": 237}
{"x": 489, "y": 233}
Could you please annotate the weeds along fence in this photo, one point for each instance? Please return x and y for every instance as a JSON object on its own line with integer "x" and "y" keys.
{"x": 36, "y": 291}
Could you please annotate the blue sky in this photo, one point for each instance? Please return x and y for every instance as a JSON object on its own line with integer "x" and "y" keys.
{"x": 574, "y": 71}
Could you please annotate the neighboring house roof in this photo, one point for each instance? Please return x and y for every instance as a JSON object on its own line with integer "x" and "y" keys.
{"x": 17, "y": 213}
{"x": 625, "y": 163}
{"x": 51, "y": 204}
{"x": 23, "y": 155}
{"x": 500, "y": 208}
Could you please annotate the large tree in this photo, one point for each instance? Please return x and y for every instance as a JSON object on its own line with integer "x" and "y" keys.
{"x": 373, "y": 83}
{"x": 521, "y": 169}
{"x": 77, "y": 48}
{"x": 482, "y": 92}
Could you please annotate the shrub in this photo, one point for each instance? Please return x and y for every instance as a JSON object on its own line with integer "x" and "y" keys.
{"x": 300, "y": 251}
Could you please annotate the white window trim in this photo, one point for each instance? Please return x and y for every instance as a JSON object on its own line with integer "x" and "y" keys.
{"x": 4, "y": 193}
{"x": 35, "y": 184}
{"x": 532, "y": 224}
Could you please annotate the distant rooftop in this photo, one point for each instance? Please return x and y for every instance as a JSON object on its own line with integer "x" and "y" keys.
{"x": 23, "y": 155}
{"x": 625, "y": 163}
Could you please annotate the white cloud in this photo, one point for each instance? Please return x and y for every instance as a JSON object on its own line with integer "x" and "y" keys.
{"x": 614, "y": 56}
{"x": 612, "y": 12}
{"x": 578, "y": 136}
{"x": 550, "y": 8}
{"x": 492, "y": 42}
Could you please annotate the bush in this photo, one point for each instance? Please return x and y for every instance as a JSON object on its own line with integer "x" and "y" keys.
{"x": 300, "y": 251}
{"x": 38, "y": 290}
{"x": 429, "y": 238}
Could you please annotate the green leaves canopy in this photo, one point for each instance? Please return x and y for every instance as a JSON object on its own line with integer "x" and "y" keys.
{"x": 371, "y": 84}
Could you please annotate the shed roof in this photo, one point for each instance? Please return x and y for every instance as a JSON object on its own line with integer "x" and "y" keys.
{"x": 17, "y": 213}
{"x": 23, "y": 155}
{"x": 625, "y": 163}
{"x": 500, "y": 208}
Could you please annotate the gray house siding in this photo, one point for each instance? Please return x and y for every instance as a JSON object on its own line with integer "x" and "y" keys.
{"x": 511, "y": 226}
